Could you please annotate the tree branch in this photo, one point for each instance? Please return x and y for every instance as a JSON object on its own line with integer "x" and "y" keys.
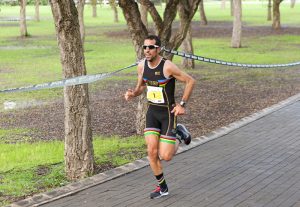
{"x": 154, "y": 14}
{"x": 169, "y": 16}
{"x": 136, "y": 27}
{"x": 187, "y": 10}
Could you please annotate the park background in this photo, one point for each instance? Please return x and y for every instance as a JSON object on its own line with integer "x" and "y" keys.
{"x": 31, "y": 134}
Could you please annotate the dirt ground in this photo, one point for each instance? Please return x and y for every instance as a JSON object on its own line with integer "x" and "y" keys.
{"x": 213, "y": 104}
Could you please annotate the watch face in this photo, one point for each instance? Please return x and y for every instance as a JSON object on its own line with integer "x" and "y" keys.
{"x": 182, "y": 103}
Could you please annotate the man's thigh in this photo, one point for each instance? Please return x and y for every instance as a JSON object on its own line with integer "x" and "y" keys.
{"x": 152, "y": 141}
{"x": 166, "y": 150}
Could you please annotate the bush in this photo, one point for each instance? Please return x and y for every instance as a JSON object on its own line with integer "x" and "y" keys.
{"x": 32, "y": 2}
{"x": 16, "y": 2}
{"x": 9, "y": 2}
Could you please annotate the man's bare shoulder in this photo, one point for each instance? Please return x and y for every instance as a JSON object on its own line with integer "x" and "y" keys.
{"x": 170, "y": 68}
{"x": 140, "y": 66}
{"x": 141, "y": 62}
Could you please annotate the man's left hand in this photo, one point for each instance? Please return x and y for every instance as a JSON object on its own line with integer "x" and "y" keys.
{"x": 178, "y": 110}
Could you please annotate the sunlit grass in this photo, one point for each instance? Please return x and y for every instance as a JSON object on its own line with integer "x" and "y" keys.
{"x": 27, "y": 168}
{"x": 24, "y": 155}
{"x": 27, "y": 155}
{"x": 258, "y": 50}
{"x": 254, "y": 13}
{"x": 20, "y": 182}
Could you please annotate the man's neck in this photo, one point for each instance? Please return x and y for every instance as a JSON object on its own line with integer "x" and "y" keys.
{"x": 154, "y": 62}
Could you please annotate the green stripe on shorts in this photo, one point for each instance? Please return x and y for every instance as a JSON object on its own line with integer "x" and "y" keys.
{"x": 151, "y": 132}
{"x": 167, "y": 141}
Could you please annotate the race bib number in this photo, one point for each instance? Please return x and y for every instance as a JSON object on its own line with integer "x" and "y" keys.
{"x": 155, "y": 94}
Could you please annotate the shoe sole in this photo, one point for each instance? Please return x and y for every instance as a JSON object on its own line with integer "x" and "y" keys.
{"x": 161, "y": 195}
{"x": 186, "y": 141}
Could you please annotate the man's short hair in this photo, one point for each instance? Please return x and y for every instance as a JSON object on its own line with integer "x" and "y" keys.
{"x": 154, "y": 37}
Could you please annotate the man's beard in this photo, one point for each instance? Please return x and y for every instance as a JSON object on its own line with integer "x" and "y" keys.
{"x": 152, "y": 59}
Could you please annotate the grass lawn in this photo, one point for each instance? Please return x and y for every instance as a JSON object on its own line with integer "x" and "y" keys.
{"x": 26, "y": 167}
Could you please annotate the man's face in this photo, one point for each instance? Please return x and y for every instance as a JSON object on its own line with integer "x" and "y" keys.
{"x": 150, "y": 50}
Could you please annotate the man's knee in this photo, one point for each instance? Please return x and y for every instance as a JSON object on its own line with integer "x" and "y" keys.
{"x": 152, "y": 152}
{"x": 166, "y": 156}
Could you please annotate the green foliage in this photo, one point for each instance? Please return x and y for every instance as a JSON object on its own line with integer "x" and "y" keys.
{"x": 32, "y": 2}
{"x": 16, "y": 2}
{"x": 9, "y": 2}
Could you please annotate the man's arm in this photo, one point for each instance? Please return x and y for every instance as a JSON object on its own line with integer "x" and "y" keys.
{"x": 172, "y": 70}
{"x": 140, "y": 86}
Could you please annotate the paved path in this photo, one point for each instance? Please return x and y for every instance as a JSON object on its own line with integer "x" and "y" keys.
{"x": 257, "y": 164}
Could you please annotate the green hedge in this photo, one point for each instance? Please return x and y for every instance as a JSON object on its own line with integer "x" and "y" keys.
{"x": 16, "y": 2}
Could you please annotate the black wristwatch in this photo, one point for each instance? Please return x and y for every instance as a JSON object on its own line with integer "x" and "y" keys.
{"x": 182, "y": 103}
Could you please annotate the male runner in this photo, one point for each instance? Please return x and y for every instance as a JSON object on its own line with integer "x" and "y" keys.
{"x": 158, "y": 75}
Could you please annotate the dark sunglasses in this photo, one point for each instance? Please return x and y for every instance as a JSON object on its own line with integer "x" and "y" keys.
{"x": 151, "y": 47}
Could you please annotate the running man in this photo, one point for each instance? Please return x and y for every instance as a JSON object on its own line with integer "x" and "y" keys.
{"x": 158, "y": 75}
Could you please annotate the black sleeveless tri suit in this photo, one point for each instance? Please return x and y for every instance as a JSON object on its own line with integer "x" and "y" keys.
{"x": 160, "y": 94}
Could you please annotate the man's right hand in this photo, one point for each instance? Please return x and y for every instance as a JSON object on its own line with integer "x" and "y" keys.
{"x": 129, "y": 94}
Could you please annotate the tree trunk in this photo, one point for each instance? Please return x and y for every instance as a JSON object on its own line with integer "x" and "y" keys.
{"x": 37, "y": 10}
{"x": 163, "y": 28}
{"x": 276, "y": 14}
{"x": 231, "y": 8}
{"x": 237, "y": 25}
{"x": 79, "y": 155}
{"x": 223, "y": 4}
{"x": 293, "y": 2}
{"x": 80, "y": 9}
{"x": 114, "y": 8}
{"x": 269, "y": 10}
{"x": 23, "y": 26}
{"x": 203, "y": 19}
{"x": 187, "y": 47}
{"x": 188, "y": 9}
{"x": 94, "y": 8}
{"x": 138, "y": 33}
{"x": 186, "y": 44}
{"x": 144, "y": 15}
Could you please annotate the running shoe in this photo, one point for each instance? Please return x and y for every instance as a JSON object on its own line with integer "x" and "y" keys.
{"x": 157, "y": 193}
{"x": 183, "y": 134}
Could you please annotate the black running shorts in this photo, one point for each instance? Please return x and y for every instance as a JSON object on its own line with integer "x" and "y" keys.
{"x": 161, "y": 122}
